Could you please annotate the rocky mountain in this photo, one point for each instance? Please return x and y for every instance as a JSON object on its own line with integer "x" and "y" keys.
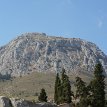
{"x": 33, "y": 52}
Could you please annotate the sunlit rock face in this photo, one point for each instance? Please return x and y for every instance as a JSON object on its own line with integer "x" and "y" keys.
{"x": 37, "y": 52}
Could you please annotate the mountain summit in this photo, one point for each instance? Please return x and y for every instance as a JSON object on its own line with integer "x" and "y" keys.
{"x": 37, "y": 52}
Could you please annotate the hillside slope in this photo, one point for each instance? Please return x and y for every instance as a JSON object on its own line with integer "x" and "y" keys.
{"x": 32, "y": 52}
{"x": 29, "y": 86}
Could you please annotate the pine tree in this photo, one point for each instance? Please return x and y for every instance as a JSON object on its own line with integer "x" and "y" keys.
{"x": 58, "y": 90}
{"x": 81, "y": 92}
{"x": 97, "y": 86}
{"x": 42, "y": 97}
{"x": 62, "y": 89}
{"x": 66, "y": 88}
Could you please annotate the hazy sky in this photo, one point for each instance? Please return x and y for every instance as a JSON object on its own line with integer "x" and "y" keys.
{"x": 86, "y": 19}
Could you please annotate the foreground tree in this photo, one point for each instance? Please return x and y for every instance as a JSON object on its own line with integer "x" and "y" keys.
{"x": 42, "y": 97}
{"x": 81, "y": 92}
{"x": 62, "y": 89}
{"x": 66, "y": 88}
{"x": 97, "y": 87}
{"x": 58, "y": 90}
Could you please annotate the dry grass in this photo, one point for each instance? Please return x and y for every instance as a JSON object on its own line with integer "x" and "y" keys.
{"x": 28, "y": 87}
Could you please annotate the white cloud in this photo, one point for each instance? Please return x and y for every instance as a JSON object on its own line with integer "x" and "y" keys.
{"x": 100, "y": 23}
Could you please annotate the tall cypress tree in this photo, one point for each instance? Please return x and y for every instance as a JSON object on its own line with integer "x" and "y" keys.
{"x": 66, "y": 88}
{"x": 97, "y": 86}
{"x": 58, "y": 90}
{"x": 81, "y": 92}
{"x": 62, "y": 89}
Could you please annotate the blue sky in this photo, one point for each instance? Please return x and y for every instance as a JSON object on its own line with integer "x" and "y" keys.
{"x": 86, "y": 19}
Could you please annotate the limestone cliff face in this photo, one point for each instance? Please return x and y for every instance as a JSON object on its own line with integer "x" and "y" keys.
{"x": 32, "y": 52}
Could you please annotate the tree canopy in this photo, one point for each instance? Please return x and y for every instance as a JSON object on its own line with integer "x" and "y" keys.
{"x": 42, "y": 97}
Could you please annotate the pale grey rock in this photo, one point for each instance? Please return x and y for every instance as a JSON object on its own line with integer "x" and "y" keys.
{"x": 5, "y": 102}
{"x": 65, "y": 105}
{"x": 13, "y": 102}
{"x": 45, "y": 104}
{"x": 25, "y": 103}
{"x": 20, "y": 103}
{"x": 33, "y": 52}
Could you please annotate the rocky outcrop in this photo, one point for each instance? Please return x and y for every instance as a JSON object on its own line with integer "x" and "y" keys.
{"x": 6, "y": 102}
{"x": 20, "y": 103}
{"x": 65, "y": 105}
{"x": 32, "y": 52}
